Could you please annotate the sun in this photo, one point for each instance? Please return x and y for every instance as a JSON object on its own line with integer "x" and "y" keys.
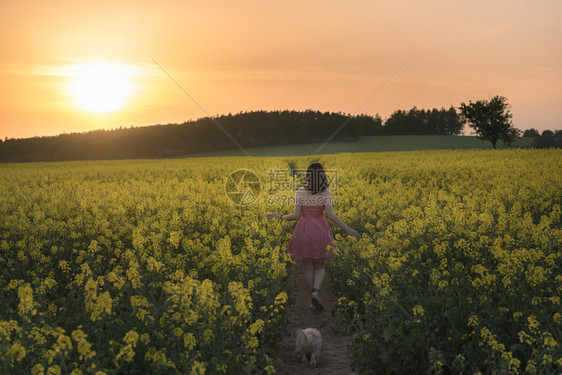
{"x": 101, "y": 86}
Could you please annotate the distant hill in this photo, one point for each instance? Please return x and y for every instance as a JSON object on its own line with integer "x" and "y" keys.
{"x": 247, "y": 129}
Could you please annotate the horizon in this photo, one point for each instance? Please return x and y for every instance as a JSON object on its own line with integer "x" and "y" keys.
{"x": 75, "y": 67}
{"x": 466, "y": 132}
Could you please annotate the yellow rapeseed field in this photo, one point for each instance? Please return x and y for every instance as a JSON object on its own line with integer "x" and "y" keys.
{"x": 148, "y": 266}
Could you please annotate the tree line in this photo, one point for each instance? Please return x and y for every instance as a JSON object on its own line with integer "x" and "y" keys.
{"x": 249, "y": 129}
{"x": 548, "y": 138}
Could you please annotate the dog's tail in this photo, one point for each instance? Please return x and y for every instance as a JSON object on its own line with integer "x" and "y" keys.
{"x": 302, "y": 340}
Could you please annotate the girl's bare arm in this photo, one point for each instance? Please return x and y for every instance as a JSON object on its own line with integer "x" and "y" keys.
{"x": 292, "y": 216}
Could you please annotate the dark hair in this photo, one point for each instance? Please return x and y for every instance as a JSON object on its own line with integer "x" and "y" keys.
{"x": 316, "y": 178}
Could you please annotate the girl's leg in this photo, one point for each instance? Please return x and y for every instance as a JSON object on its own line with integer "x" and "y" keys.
{"x": 308, "y": 266}
{"x": 318, "y": 275}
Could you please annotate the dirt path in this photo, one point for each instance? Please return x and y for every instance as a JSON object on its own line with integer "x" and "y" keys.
{"x": 333, "y": 357}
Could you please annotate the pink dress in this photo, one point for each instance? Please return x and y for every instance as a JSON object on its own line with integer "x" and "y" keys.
{"x": 312, "y": 235}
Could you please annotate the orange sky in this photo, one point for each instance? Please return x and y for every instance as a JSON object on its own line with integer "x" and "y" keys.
{"x": 234, "y": 56}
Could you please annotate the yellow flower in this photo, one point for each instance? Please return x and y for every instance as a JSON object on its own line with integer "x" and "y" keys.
{"x": 189, "y": 341}
{"x": 207, "y": 335}
{"x": 256, "y": 327}
{"x": 197, "y": 368}
{"x": 549, "y": 341}
{"x": 418, "y": 310}
{"x": 25, "y": 294}
{"x": 38, "y": 369}
{"x": 533, "y": 323}
{"x": 16, "y": 352}
{"x": 145, "y": 338}
{"x": 252, "y": 343}
{"x": 64, "y": 343}
{"x": 178, "y": 332}
{"x": 524, "y": 337}
{"x": 281, "y": 298}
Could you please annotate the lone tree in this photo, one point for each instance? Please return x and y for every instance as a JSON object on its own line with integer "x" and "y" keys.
{"x": 490, "y": 119}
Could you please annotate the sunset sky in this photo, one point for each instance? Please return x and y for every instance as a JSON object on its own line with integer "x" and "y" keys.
{"x": 73, "y": 66}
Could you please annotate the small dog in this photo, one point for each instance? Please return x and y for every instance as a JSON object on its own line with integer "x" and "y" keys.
{"x": 309, "y": 342}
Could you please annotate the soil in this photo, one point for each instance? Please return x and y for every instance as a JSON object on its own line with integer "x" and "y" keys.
{"x": 334, "y": 358}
